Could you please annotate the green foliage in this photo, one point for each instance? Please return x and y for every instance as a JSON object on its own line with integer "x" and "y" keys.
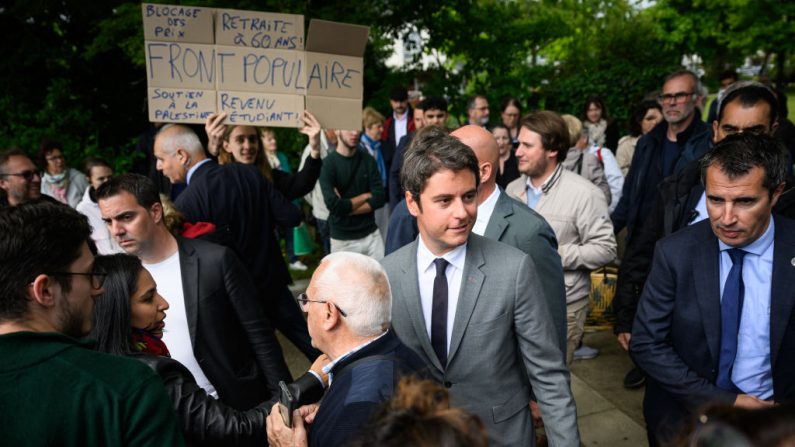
{"x": 621, "y": 61}
{"x": 73, "y": 70}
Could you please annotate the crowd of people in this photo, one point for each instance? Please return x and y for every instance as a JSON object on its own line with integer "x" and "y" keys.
{"x": 142, "y": 308}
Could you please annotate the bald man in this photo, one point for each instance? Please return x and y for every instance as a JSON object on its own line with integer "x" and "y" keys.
{"x": 503, "y": 219}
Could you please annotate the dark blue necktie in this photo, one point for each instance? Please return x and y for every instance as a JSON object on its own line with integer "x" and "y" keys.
{"x": 439, "y": 312}
{"x": 731, "y": 307}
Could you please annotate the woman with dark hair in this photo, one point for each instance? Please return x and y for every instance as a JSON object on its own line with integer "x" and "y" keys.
{"x": 602, "y": 131}
{"x": 58, "y": 180}
{"x": 508, "y": 169}
{"x": 129, "y": 320}
{"x": 511, "y": 112}
{"x": 645, "y": 116}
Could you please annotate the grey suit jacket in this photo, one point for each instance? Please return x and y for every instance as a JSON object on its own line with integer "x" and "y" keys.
{"x": 502, "y": 335}
{"x": 515, "y": 224}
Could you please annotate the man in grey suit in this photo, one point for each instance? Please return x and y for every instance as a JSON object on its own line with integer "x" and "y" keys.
{"x": 471, "y": 307}
{"x": 500, "y": 218}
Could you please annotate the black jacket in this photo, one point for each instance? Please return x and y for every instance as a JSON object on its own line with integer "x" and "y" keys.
{"x": 238, "y": 197}
{"x": 646, "y": 171}
{"x": 294, "y": 185}
{"x": 206, "y": 421}
{"x": 395, "y": 192}
{"x": 232, "y": 339}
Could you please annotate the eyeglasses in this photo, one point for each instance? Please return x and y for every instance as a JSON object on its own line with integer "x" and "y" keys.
{"x": 304, "y": 301}
{"x": 97, "y": 278}
{"x": 675, "y": 98}
{"x": 27, "y": 175}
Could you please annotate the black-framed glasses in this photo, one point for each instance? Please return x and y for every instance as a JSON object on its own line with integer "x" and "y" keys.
{"x": 303, "y": 300}
{"x": 28, "y": 175}
{"x": 674, "y": 97}
{"x": 97, "y": 278}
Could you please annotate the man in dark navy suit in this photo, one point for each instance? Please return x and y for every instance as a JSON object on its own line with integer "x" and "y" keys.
{"x": 715, "y": 321}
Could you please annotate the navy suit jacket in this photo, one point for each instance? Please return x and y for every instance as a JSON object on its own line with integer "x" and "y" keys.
{"x": 238, "y": 199}
{"x": 355, "y": 394}
{"x": 676, "y": 333}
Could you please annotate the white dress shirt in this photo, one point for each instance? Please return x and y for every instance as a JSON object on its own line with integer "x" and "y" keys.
{"x": 426, "y": 272}
{"x": 485, "y": 211}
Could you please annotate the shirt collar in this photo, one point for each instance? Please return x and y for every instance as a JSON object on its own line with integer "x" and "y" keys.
{"x": 487, "y": 207}
{"x": 193, "y": 169}
{"x": 425, "y": 258}
{"x": 543, "y": 184}
{"x": 330, "y": 367}
{"x": 759, "y": 246}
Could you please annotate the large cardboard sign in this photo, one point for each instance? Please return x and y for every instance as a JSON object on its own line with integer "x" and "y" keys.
{"x": 251, "y": 69}
{"x": 170, "y": 23}
{"x": 335, "y": 73}
{"x": 261, "y": 109}
{"x": 259, "y": 29}
{"x": 253, "y": 66}
{"x": 180, "y": 105}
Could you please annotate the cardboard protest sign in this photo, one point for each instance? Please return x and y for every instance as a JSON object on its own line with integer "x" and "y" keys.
{"x": 334, "y": 73}
{"x": 261, "y": 109}
{"x": 253, "y": 66}
{"x": 180, "y": 65}
{"x": 336, "y": 113}
{"x": 257, "y": 70}
{"x": 170, "y": 23}
{"x": 180, "y": 105}
{"x": 259, "y": 29}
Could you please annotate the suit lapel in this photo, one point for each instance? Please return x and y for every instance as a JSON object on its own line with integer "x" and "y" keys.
{"x": 708, "y": 286}
{"x": 498, "y": 221}
{"x": 471, "y": 282}
{"x": 189, "y": 265}
{"x": 409, "y": 288}
{"x": 783, "y": 284}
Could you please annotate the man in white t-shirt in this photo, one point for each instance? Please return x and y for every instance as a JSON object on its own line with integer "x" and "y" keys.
{"x": 216, "y": 326}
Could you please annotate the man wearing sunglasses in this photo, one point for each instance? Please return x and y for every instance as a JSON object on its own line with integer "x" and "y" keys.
{"x": 54, "y": 389}
{"x": 681, "y": 137}
{"x": 19, "y": 178}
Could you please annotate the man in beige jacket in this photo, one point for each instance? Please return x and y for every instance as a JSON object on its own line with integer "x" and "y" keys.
{"x": 574, "y": 208}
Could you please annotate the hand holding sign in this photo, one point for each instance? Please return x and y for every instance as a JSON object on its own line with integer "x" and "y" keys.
{"x": 215, "y": 128}
{"x": 253, "y": 66}
{"x": 311, "y": 129}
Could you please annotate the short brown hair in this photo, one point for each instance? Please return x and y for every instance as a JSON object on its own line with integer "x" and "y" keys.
{"x": 553, "y": 130}
{"x": 433, "y": 150}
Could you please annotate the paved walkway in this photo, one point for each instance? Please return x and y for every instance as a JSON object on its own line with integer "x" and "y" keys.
{"x": 608, "y": 414}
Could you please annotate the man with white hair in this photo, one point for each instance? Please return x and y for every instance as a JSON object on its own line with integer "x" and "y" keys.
{"x": 349, "y": 311}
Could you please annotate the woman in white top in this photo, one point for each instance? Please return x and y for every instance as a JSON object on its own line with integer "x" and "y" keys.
{"x": 99, "y": 172}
